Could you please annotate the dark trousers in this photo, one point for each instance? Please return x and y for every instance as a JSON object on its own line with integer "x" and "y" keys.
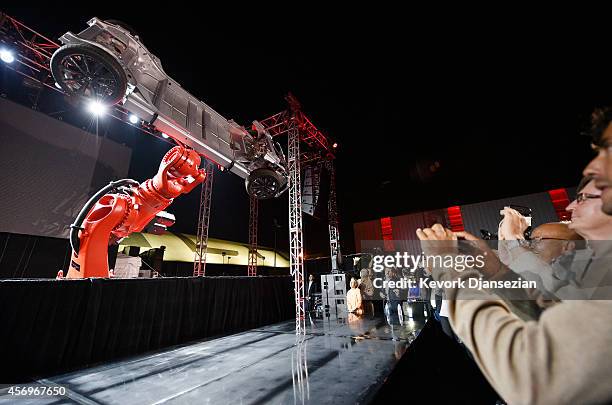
{"x": 310, "y": 303}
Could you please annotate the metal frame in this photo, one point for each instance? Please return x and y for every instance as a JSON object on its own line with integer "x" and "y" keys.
{"x": 296, "y": 246}
{"x": 199, "y": 263}
{"x": 35, "y": 50}
{"x": 318, "y": 150}
{"x": 33, "y": 56}
{"x": 334, "y": 235}
{"x": 253, "y": 214}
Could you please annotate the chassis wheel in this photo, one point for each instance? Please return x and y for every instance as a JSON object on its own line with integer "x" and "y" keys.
{"x": 263, "y": 183}
{"x": 89, "y": 72}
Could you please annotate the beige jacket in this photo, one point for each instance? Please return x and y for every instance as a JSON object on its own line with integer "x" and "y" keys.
{"x": 353, "y": 299}
{"x": 563, "y": 358}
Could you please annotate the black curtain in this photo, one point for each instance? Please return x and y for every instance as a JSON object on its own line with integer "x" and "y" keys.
{"x": 52, "y": 326}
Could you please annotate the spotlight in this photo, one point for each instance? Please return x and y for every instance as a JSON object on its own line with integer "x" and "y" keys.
{"x": 165, "y": 135}
{"x": 133, "y": 118}
{"x": 96, "y": 108}
{"x": 335, "y": 145}
{"x": 7, "y": 56}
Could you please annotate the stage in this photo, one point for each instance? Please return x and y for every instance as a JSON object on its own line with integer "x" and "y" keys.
{"x": 338, "y": 361}
{"x": 51, "y": 327}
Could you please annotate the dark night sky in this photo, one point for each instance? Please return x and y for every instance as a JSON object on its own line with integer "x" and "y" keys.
{"x": 498, "y": 106}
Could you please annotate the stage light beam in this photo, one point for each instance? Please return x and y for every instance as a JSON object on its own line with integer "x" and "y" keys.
{"x": 96, "y": 108}
{"x": 7, "y": 55}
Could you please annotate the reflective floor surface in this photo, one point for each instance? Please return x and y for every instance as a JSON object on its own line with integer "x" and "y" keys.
{"x": 338, "y": 361}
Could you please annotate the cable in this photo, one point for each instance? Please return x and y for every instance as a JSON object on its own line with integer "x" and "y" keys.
{"x": 21, "y": 258}
{"x": 76, "y": 226}
{"x": 152, "y": 269}
{"x": 8, "y": 236}
{"x": 27, "y": 263}
{"x": 65, "y": 262}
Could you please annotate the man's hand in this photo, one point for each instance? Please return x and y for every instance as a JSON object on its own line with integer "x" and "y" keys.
{"x": 475, "y": 241}
{"x": 440, "y": 241}
{"x": 437, "y": 240}
{"x": 492, "y": 263}
{"x": 513, "y": 225}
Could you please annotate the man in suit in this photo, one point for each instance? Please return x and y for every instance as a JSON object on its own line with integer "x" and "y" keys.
{"x": 310, "y": 297}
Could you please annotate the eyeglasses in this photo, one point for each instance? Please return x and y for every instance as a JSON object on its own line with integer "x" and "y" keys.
{"x": 581, "y": 197}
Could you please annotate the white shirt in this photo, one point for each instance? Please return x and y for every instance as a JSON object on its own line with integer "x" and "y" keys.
{"x": 444, "y": 308}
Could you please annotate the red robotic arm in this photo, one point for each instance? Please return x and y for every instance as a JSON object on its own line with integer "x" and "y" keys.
{"x": 129, "y": 208}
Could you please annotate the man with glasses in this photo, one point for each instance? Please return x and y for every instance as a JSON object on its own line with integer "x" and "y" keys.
{"x": 552, "y": 241}
{"x": 560, "y": 271}
{"x": 548, "y": 241}
{"x": 588, "y": 218}
{"x": 582, "y": 197}
{"x": 601, "y": 166}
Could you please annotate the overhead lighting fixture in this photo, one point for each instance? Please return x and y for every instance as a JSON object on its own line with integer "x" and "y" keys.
{"x": 7, "y": 56}
{"x": 165, "y": 135}
{"x": 335, "y": 145}
{"x": 133, "y": 118}
{"x": 96, "y": 108}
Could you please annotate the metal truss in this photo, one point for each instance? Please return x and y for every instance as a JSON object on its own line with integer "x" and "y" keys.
{"x": 318, "y": 150}
{"x": 253, "y": 213}
{"x": 319, "y": 146}
{"x": 296, "y": 247}
{"x": 33, "y": 50}
{"x": 33, "y": 53}
{"x": 332, "y": 215}
{"x": 199, "y": 263}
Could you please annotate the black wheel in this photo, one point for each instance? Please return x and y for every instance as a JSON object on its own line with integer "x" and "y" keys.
{"x": 87, "y": 71}
{"x": 263, "y": 183}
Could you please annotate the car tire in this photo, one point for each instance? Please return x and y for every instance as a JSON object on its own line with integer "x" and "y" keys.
{"x": 72, "y": 70}
{"x": 263, "y": 183}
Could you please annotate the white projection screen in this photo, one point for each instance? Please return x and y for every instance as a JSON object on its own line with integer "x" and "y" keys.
{"x": 49, "y": 170}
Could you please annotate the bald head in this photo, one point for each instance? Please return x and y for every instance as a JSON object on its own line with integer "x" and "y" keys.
{"x": 555, "y": 230}
{"x": 552, "y": 240}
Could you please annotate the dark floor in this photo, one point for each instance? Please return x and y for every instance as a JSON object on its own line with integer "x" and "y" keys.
{"x": 436, "y": 369}
{"x": 338, "y": 361}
